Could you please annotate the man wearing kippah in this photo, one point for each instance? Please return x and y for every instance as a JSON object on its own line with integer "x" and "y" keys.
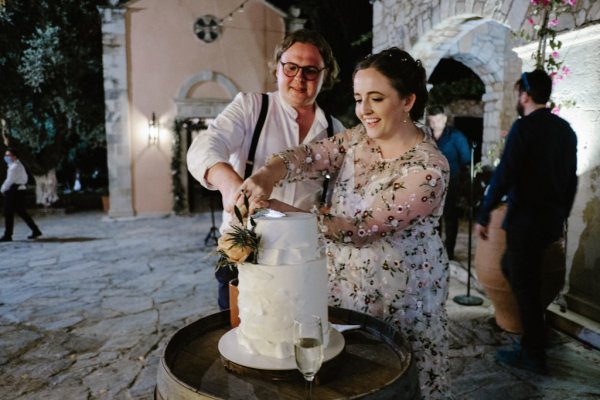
{"x": 538, "y": 173}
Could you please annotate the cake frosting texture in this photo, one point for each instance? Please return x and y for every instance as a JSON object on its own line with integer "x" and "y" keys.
{"x": 289, "y": 279}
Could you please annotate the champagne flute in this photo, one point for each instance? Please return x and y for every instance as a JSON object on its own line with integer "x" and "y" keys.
{"x": 308, "y": 347}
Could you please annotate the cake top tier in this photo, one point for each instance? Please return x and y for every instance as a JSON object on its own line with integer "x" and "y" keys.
{"x": 291, "y": 239}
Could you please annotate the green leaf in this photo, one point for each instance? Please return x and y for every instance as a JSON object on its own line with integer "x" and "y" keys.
{"x": 238, "y": 214}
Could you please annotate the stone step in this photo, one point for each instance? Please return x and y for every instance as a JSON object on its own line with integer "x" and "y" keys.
{"x": 575, "y": 325}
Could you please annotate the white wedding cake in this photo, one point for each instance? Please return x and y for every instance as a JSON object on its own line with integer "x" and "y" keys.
{"x": 289, "y": 279}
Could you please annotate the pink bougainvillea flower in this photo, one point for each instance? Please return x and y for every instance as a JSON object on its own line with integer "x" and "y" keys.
{"x": 556, "y": 110}
{"x": 566, "y": 71}
{"x": 570, "y": 2}
{"x": 530, "y": 21}
{"x": 556, "y": 79}
{"x": 553, "y": 22}
{"x": 555, "y": 54}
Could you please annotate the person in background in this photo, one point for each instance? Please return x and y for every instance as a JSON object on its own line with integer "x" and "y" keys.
{"x": 455, "y": 147}
{"x": 537, "y": 171}
{"x": 13, "y": 190}
{"x": 303, "y": 65}
{"x": 385, "y": 256}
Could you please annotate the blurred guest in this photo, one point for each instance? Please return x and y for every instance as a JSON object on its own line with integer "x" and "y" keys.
{"x": 13, "y": 190}
{"x": 455, "y": 147}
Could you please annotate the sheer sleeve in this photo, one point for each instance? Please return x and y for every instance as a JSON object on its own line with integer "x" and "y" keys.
{"x": 316, "y": 159}
{"x": 405, "y": 199}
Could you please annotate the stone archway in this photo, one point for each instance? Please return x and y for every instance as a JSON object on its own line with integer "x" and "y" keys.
{"x": 484, "y": 46}
{"x": 190, "y": 107}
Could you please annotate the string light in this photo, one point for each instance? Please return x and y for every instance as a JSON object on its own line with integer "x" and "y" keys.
{"x": 229, "y": 16}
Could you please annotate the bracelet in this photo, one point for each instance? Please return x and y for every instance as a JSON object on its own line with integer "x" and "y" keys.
{"x": 285, "y": 161}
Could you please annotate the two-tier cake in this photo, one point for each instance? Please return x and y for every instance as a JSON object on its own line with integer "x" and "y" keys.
{"x": 289, "y": 279}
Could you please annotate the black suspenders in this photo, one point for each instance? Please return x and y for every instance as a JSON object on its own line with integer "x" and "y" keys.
{"x": 326, "y": 178}
{"x": 256, "y": 135}
{"x": 257, "y": 129}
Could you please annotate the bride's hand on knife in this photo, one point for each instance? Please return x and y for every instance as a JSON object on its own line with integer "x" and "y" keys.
{"x": 273, "y": 204}
{"x": 280, "y": 206}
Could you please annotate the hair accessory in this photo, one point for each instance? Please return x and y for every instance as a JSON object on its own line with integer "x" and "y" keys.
{"x": 394, "y": 51}
{"x": 525, "y": 82}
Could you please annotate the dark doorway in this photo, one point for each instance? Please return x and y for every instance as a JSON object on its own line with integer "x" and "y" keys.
{"x": 453, "y": 84}
{"x": 472, "y": 127}
{"x": 199, "y": 198}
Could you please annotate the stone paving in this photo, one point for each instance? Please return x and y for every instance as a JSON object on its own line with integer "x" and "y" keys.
{"x": 86, "y": 311}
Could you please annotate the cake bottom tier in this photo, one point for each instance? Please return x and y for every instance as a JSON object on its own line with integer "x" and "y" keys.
{"x": 271, "y": 297}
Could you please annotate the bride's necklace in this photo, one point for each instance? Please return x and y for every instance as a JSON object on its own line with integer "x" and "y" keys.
{"x": 402, "y": 149}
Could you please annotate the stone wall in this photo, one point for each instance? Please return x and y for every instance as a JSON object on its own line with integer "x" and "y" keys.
{"x": 403, "y": 23}
{"x": 465, "y": 108}
{"x": 478, "y": 33}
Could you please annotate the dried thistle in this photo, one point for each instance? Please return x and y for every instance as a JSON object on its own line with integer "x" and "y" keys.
{"x": 240, "y": 244}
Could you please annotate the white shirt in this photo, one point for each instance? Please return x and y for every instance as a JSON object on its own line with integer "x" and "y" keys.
{"x": 15, "y": 175}
{"x": 228, "y": 140}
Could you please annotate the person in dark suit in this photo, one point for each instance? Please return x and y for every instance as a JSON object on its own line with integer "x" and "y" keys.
{"x": 537, "y": 171}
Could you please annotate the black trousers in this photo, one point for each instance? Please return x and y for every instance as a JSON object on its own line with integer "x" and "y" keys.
{"x": 224, "y": 275}
{"x": 522, "y": 267}
{"x": 450, "y": 217}
{"x": 14, "y": 203}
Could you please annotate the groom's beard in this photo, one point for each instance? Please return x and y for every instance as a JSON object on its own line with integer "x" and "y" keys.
{"x": 520, "y": 109}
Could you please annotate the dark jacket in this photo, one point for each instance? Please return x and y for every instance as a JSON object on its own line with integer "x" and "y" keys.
{"x": 455, "y": 147}
{"x": 537, "y": 171}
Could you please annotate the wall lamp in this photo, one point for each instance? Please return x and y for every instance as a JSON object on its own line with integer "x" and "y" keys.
{"x": 153, "y": 130}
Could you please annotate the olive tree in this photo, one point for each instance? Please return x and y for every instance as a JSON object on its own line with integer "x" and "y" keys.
{"x": 51, "y": 101}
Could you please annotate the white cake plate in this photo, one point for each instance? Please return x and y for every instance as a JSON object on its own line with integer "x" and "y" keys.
{"x": 231, "y": 350}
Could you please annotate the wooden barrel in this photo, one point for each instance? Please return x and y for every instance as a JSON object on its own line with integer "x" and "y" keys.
{"x": 376, "y": 363}
{"x": 488, "y": 260}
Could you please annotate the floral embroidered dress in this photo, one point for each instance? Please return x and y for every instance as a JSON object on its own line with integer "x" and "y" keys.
{"x": 385, "y": 256}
